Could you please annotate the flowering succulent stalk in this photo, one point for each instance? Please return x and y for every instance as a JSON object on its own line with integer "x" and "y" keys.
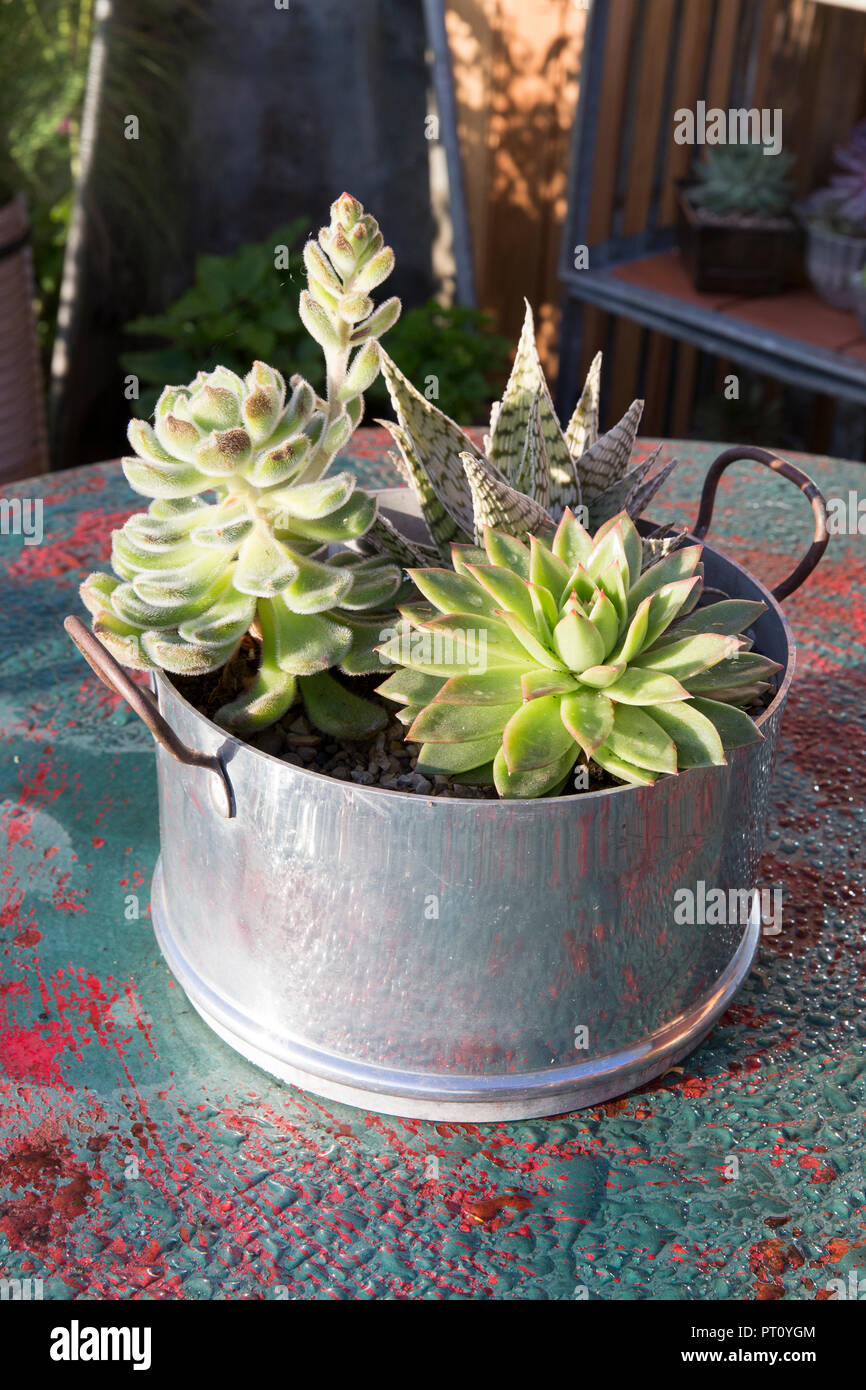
{"x": 528, "y": 658}
{"x": 242, "y": 507}
{"x": 530, "y": 470}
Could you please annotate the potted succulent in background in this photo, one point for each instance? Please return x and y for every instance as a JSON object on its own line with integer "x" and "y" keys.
{"x": 858, "y": 295}
{"x": 734, "y": 221}
{"x": 490, "y": 934}
{"x": 835, "y": 219}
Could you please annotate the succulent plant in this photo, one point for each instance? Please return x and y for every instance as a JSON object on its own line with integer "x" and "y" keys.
{"x": 527, "y": 658}
{"x": 530, "y": 470}
{"x": 841, "y": 206}
{"x": 742, "y": 179}
{"x": 242, "y": 507}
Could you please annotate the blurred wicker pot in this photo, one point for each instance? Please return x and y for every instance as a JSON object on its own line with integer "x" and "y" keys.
{"x": 23, "y": 447}
{"x": 832, "y": 259}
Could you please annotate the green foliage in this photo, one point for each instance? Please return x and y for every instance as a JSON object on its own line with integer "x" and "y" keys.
{"x": 238, "y": 307}
{"x": 241, "y": 306}
{"x": 44, "y": 58}
{"x": 742, "y": 180}
{"x": 43, "y": 69}
{"x": 236, "y": 468}
{"x": 452, "y": 352}
{"x": 525, "y": 659}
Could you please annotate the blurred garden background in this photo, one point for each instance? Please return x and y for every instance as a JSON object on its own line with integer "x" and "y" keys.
{"x": 161, "y": 164}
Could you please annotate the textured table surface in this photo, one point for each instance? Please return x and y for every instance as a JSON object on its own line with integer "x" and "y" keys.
{"x": 140, "y": 1157}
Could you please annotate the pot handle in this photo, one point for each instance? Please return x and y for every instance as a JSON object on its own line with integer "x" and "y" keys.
{"x": 142, "y": 703}
{"x": 787, "y": 470}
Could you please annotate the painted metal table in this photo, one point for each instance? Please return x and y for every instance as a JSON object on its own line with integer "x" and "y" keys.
{"x": 139, "y": 1157}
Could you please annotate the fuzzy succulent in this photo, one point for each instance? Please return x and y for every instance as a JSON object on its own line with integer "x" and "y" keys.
{"x": 242, "y": 508}
{"x": 841, "y": 206}
{"x": 743, "y": 180}
{"x": 528, "y": 658}
{"x": 530, "y": 470}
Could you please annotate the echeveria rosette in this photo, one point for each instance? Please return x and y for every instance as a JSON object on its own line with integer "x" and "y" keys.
{"x": 742, "y": 180}
{"x": 242, "y": 509}
{"x": 587, "y": 655}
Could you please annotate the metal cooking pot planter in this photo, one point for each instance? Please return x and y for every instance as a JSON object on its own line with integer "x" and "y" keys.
{"x": 448, "y": 959}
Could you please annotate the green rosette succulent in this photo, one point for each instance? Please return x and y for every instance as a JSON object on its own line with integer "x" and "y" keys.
{"x": 743, "y": 181}
{"x": 235, "y": 539}
{"x": 529, "y": 658}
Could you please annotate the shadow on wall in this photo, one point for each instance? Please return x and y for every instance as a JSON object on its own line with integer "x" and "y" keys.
{"x": 516, "y": 68}
{"x": 278, "y": 110}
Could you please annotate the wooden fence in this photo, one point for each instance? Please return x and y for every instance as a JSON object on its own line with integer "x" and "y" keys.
{"x": 517, "y": 64}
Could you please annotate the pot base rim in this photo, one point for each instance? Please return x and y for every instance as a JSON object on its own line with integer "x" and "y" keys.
{"x": 455, "y": 1098}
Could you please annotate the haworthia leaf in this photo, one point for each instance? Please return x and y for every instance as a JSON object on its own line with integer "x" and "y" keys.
{"x": 533, "y": 475}
{"x": 498, "y": 505}
{"x": 440, "y": 521}
{"x": 387, "y": 539}
{"x": 645, "y": 489}
{"x": 582, "y": 429}
{"x": 438, "y": 440}
{"x": 607, "y": 460}
{"x": 509, "y": 430}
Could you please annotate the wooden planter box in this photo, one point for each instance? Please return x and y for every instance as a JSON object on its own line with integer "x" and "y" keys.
{"x": 737, "y": 258}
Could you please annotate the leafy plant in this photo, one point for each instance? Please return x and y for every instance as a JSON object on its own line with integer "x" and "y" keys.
{"x": 741, "y": 180}
{"x": 238, "y": 308}
{"x": 841, "y": 206}
{"x": 44, "y": 60}
{"x": 193, "y": 576}
{"x": 454, "y": 353}
{"x": 528, "y": 658}
{"x": 529, "y": 472}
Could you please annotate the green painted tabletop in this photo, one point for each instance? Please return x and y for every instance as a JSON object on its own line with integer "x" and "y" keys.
{"x": 140, "y": 1157}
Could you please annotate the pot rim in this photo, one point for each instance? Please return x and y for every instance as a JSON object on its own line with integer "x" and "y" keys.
{"x": 163, "y": 683}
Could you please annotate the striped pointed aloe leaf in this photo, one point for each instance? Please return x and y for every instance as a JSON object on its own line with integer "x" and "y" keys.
{"x": 525, "y": 451}
{"x": 540, "y": 656}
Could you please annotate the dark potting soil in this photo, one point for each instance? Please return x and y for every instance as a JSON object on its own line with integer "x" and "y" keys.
{"x": 386, "y": 760}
